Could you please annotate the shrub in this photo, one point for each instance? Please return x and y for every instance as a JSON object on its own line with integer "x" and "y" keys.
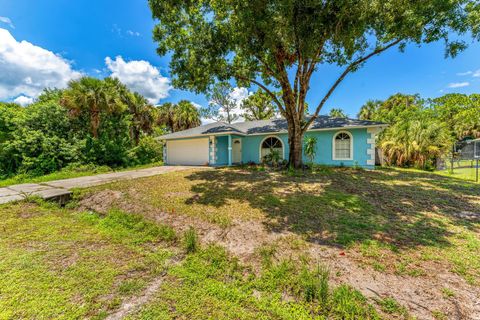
{"x": 148, "y": 150}
{"x": 39, "y": 141}
{"x": 273, "y": 158}
{"x": 310, "y": 149}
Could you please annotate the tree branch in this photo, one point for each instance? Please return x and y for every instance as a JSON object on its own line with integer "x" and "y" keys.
{"x": 270, "y": 93}
{"x": 343, "y": 75}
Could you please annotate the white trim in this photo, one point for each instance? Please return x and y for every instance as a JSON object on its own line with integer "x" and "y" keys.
{"x": 260, "y": 147}
{"x": 213, "y": 149}
{"x": 351, "y": 145}
{"x": 372, "y": 141}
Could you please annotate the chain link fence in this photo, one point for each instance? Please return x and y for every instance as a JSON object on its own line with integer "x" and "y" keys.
{"x": 465, "y": 159}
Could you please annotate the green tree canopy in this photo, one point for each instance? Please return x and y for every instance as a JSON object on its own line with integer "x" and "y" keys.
{"x": 92, "y": 97}
{"x": 142, "y": 115}
{"x": 186, "y": 116}
{"x": 92, "y": 121}
{"x": 176, "y": 117}
{"x": 222, "y": 107}
{"x": 280, "y": 43}
{"x": 460, "y": 112}
{"x": 337, "y": 113}
{"x": 368, "y": 109}
{"x": 415, "y": 139}
{"x": 258, "y": 106}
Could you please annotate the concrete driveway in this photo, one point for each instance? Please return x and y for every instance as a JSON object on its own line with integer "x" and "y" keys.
{"x": 60, "y": 189}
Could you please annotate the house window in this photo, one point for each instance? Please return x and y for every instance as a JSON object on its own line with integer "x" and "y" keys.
{"x": 270, "y": 144}
{"x": 342, "y": 146}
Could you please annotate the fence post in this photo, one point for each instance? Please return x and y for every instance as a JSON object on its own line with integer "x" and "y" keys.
{"x": 476, "y": 179}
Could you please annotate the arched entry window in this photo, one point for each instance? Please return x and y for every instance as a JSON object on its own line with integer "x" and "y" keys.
{"x": 342, "y": 146}
{"x": 270, "y": 144}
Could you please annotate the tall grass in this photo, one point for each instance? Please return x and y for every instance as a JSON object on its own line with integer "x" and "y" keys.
{"x": 190, "y": 240}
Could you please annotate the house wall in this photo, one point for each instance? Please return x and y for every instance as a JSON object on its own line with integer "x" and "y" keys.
{"x": 325, "y": 148}
{"x": 222, "y": 151}
{"x": 251, "y": 146}
{"x": 362, "y": 143}
{"x": 363, "y": 148}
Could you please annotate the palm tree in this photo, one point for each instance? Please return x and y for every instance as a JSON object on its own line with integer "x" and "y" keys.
{"x": 142, "y": 115}
{"x": 367, "y": 111}
{"x": 92, "y": 96}
{"x": 165, "y": 116}
{"x": 337, "y": 113}
{"x": 186, "y": 116}
{"x": 414, "y": 141}
{"x": 177, "y": 117}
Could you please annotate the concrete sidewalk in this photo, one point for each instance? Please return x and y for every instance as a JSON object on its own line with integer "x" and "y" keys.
{"x": 60, "y": 189}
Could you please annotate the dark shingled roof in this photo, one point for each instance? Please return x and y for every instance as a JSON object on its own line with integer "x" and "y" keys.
{"x": 268, "y": 126}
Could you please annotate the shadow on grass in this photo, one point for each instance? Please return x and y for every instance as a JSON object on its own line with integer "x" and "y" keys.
{"x": 342, "y": 206}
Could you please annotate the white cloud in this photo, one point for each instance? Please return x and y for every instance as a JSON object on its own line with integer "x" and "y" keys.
{"x": 237, "y": 96}
{"x": 133, "y": 33}
{"x": 26, "y": 69}
{"x": 23, "y": 100}
{"x": 140, "y": 76}
{"x": 459, "y": 84}
{"x": 466, "y": 73}
{"x": 475, "y": 74}
{"x": 7, "y": 21}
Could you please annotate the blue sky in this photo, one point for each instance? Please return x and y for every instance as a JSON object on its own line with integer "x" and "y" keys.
{"x": 76, "y": 37}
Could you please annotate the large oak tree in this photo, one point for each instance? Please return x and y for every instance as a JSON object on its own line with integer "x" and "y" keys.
{"x": 277, "y": 45}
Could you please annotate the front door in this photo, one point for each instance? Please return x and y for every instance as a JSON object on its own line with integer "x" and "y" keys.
{"x": 237, "y": 151}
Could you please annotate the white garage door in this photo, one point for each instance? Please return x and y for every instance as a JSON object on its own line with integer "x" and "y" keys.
{"x": 187, "y": 152}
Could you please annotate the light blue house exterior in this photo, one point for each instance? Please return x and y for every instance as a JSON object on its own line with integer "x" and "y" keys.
{"x": 340, "y": 142}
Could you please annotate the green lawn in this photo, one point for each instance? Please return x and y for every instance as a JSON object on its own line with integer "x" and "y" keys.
{"x": 392, "y": 222}
{"x": 67, "y": 264}
{"x": 463, "y": 169}
{"x": 57, "y": 263}
{"x": 461, "y": 173}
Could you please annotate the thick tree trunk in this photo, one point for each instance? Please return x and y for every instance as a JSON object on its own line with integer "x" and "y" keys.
{"x": 295, "y": 138}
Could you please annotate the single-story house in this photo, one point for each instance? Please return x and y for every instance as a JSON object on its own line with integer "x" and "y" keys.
{"x": 340, "y": 142}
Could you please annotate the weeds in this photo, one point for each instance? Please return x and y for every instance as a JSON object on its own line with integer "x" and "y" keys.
{"x": 391, "y": 306}
{"x": 130, "y": 228}
{"x": 448, "y": 293}
{"x": 190, "y": 240}
{"x": 315, "y": 284}
{"x": 129, "y": 287}
{"x": 267, "y": 252}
